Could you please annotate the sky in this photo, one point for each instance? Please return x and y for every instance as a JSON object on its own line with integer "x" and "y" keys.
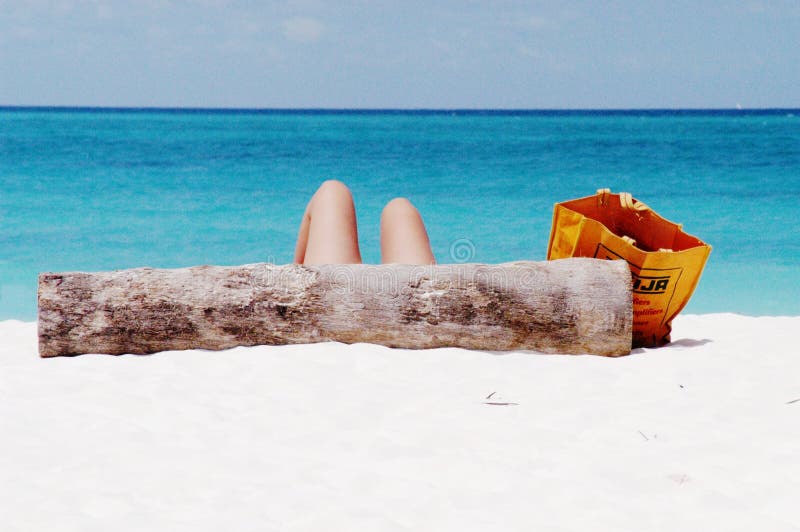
{"x": 400, "y": 54}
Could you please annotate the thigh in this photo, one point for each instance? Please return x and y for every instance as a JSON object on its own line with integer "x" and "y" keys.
{"x": 329, "y": 232}
{"x": 404, "y": 238}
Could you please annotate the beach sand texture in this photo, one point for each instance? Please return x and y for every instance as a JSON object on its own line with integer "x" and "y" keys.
{"x": 703, "y": 434}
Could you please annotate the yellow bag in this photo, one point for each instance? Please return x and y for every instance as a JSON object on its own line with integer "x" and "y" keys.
{"x": 666, "y": 262}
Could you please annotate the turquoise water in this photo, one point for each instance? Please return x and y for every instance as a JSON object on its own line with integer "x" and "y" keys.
{"x": 84, "y": 189}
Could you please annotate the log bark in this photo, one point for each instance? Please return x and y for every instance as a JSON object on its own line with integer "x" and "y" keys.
{"x": 566, "y": 306}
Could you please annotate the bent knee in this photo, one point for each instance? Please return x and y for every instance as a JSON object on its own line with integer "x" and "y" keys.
{"x": 333, "y": 189}
{"x": 333, "y": 186}
{"x": 399, "y": 207}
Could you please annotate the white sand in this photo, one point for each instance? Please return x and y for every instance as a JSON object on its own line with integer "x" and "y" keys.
{"x": 700, "y": 435}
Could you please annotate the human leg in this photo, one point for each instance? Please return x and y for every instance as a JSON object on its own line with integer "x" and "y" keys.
{"x": 328, "y": 231}
{"x": 403, "y": 236}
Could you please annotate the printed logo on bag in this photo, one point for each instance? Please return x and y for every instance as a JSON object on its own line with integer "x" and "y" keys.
{"x": 653, "y": 289}
{"x": 643, "y": 284}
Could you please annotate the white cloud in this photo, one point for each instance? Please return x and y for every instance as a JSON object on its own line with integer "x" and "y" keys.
{"x": 104, "y": 11}
{"x": 442, "y": 46}
{"x": 534, "y": 23}
{"x": 545, "y": 59}
{"x": 25, "y": 33}
{"x": 530, "y": 52}
{"x": 304, "y": 30}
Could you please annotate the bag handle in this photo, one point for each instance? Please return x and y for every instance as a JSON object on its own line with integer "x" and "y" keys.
{"x": 625, "y": 199}
{"x": 602, "y": 196}
{"x": 628, "y": 203}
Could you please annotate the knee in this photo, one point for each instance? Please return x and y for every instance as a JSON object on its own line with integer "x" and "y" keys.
{"x": 334, "y": 186}
{"x": 334, "y": 191}
{"x": 398, "y": 208}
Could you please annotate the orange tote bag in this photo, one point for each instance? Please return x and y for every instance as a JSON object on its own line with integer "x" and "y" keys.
{"x": 665, "y": 262}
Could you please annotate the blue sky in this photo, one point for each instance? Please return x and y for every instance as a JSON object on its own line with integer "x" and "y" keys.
{"x": 401, "y": 54}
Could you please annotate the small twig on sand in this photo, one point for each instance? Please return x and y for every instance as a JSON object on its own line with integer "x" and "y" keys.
{"x": 793, "y": 401}
{"x": 497, "y": 403}
{"x": 643, "y": 436}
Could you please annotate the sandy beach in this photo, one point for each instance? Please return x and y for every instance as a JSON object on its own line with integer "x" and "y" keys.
{"x": 702, "y": 434}
{"x": 228, "y": 173}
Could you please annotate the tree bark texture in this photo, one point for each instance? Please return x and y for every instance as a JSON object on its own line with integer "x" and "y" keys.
{"x": 565, "y": 306}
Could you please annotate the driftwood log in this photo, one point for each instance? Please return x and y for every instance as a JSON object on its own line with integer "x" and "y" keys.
{"x": 565, "y": 306}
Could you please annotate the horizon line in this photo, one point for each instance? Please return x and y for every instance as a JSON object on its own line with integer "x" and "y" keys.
{"x": 395, "y": 109}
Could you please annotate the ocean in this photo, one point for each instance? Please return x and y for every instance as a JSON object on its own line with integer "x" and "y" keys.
{"x": 100, "y": 189}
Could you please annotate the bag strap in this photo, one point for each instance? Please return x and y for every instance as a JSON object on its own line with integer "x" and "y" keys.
{"x": 628, "y": 203}
{"x": 625, "y": 199}
{"x": 602, "y": 196}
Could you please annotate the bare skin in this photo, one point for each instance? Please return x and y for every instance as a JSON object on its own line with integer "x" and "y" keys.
{"x": 329, "y": 234}
{"x": 403, "y": 236}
